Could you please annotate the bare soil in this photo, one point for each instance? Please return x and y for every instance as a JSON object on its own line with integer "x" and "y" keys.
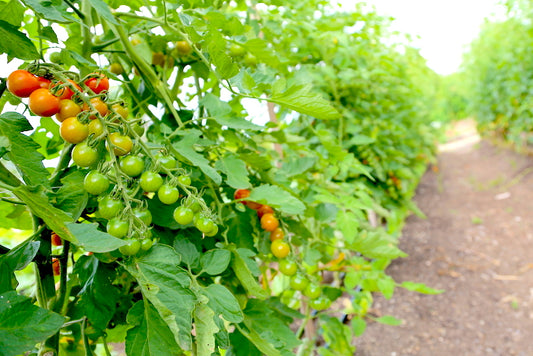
{"x": 477, "y": 245}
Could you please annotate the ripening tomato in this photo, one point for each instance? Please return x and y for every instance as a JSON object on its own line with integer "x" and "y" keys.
{"x": 22, "y": 83}
{"x": 264, "y": 209}
{"x": 280, "y": 248}
{"x": 55, "y": 239}
{"x": 116, "y": 68}
{"x": 56, "y": 266}
{"x": 245, "y": 193}
{"x": 84, "y": 155}
{"x": 96, "y": 128}
{"x": 158, "y": 59}
{"x": 121, "y": 110}
{"x": 73, "y": 131}
{"x": 97, "y": 84}
{"x": 269, "y": 222}
{"x": 183, "y": 48}
{"x": 43, "y": 103}
{"x": 98, "y": 105}
{"x": 277, "y": 234}
{"x": 121, "y": 144}
{"x": 66, "y": 92}
{"x": 67, "y": 108}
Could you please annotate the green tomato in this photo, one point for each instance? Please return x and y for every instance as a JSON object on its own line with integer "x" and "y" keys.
{"x": 150, "y": 181}
{"x": 168, "y": 194}
{"x": 183, "y": 215}
{"x": 213, "y": 232}
{"x": 312, "y": 291}
{"x": 84, "y": 155}
{"x": 117, "y": 227}
{"x": 236, "y": 50}
{"x": 108, "y": 207}
{"x": 95, "y": 183}
{"x": 250, "y": 60}
{"x": 144, "y": 215}
{"x": 184, "y": 180}
{"x": 167, "y": 162}
{"x": 288, "y": 267}
{"x": 146, "y": 244}
{"x": 320, "y": 303}
{"x": 204, "y": 224}
{"x": 131, "y": 248}
{"x": 132, "y": 165}
{"x": 299, "y": 282}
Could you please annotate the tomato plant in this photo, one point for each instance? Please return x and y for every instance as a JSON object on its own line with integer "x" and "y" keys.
{"x": 158, "y": 252}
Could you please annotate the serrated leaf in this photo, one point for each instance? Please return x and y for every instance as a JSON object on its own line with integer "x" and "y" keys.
{"x": 188, "y": 252}
{"x": 167, "y": 287}
{"x": 238, "y": 123}
{"x": 420, "y": 288}
{"x": 15, "y": 43}
{"x": 376, "y": 244}
{"x": 223, "y": 303}
{"x": 47, "y": 32}
{"x": 71, "y": 197}
{"x": 98, "y": 297}
{"x": 14, "y": 216}
{"x": 12, "y": 12}
{"x": 277, "y": 198}
{"x": 56, "y": 13}
{"x": 22, "y": 324}
{"x": 205, "y": 329}
{"x": 215, "y": 261}
{"x": 150, "y": 334}
{"x": 217, "y": 53}
{"x": 214, "y": 105}
{"x": 235, "y": 171}
{"x": 185, "y": 148}
{"x": 300, "y": 98}
{"x": 93, "y": 240}
{"x": 23, "y": 150}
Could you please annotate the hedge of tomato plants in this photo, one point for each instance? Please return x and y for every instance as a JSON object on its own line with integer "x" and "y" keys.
{"x": 498, "y": 72}
{"x": 166, "y": 219}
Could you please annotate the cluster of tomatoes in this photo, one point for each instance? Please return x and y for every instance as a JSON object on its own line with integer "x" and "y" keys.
{"x": 281, "y": 249}
{"x": 123, "y": 173}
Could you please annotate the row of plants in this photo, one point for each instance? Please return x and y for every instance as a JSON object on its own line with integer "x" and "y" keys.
{"x": 498, "y": 74}
{"x": 163, "y": 217}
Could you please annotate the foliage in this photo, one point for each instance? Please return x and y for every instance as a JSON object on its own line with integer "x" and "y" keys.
{"x": 499, "y": 73}
{"x": 175, "y": 203}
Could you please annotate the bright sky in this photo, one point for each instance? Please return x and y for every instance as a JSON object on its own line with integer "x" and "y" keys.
{"x": 444, "y": 27}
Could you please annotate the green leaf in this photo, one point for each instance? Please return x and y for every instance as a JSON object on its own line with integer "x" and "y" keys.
{"x": 103, "y": 10}
{"x": 358, "y": 326}
{"x": 167, "y": 287}
{"x": 237, "y": 123}
{"x": 23, "y": 150}
{"x": 72, "y": 197}
{"x": 217, "y": 53}
{"x": 337, "y": 336}
{"x": 56, "y": 13}
{"x": 23, "y": 324}
{"x": 245, "y": 276}
{"x": 47, "y": 32}
{"x": 15, "y": 43}
{"x": 215, "y": 261}
{"x": 12, "y": 12}
{"x": 185, "y": 148}
{"x": 386, "y": 286}
{"x": 272, "y": 329}
{"x": 93, "y": 240}
{"x": 241, "y": 346}
{"x": 300, "y": 98}
{"x": 376, "y": 244}
{"x": 14, "y": 216}
{"x": 188, "y": 252}
{"x": 214, "y": 105}
{"x": 98, "y": 297}
{"x": 39, "y": 205}
{"x": 293, "y": 166}
{"x": 150, "y": 334}
{"x": 420, "y": 288}
{"x": 235, "y": 170}
{"x": 223, "y": 303}
{"x": 389, "y": 320}
{"x": 348, "y": 223}
{"x": 205, "y": 329}
{"x": 277, "y": 198}
{"x": 15, "y": 260}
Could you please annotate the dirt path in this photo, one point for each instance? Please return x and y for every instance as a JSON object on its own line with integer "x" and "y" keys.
{"x": 477, "y": 244}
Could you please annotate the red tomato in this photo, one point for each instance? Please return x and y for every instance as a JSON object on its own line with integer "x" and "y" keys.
{"x": 98, "y": 84}
{"x": 56, "y": 267}
{"x": 66, "y": 92}
{"x": 43, "y": 103}
{"x": 264, "y": 209}
{"x": 245, "y": 193}
{"x": 56, "y": 240}
{"x": 22, "y": 83}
